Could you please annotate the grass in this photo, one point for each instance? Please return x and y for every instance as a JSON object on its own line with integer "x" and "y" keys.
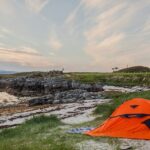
{"x": 117, "y": 78}
{"x": 34, "y": 74}
{"x": 35, "y": 134}
{"x": 118, "y": 99}
{"x": 105, "y": 110}
{"x": 52, "y": 120}
{"x": 135, "y": 69}
{"x": 49, "y": 133}
{"x": 43, "y": 133}
{"x": 120, "y": 79}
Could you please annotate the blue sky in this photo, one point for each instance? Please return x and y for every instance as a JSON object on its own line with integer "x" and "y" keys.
{"x": 78, "y": 35}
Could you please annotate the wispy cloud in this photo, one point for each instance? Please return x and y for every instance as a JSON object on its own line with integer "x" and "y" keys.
{"x": 55, "y": 43}
{"x": 71, "y": 21}
{"x": 72, "y": 16}
{"x": 5, "y": 31}
{"x": 105, "y": 49}
{"x": 107, "y": 37}
{"x": 36, "y": 5}
{"x": 7, "y": 7}
{"x": 25, "y": 57}
{"x": 105, "y": 33}
{"x": 28, "y": 50}
{"x": 146, "y": 28}
{"x": 2, "y": 44}
{"x": 92, "y": 4}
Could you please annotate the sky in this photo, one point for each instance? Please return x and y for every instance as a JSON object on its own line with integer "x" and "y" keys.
{"x": 77, "y": 35}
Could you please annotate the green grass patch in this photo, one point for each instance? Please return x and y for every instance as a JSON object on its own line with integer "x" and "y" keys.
{"x": 120, "y": 79}
{"x": 39, "y": 134}
{"x": 117, "y": 78}
{"x": 48, "y": 132}
{"x": 118, "y": 98}
{"x": 51, "y": 120}
{"x": 105, "y": 110}
{"x": 35, "y": 134}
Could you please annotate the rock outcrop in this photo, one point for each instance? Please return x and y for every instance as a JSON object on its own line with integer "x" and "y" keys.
{"x": 70, "y": 96}
{"x": 24, "y": 86}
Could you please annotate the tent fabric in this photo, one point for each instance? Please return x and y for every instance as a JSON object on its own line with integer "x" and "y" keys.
{"x": 127, "y": 121}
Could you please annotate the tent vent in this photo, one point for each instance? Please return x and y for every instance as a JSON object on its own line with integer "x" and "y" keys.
{"x": 147, "y": 123}
{"x": 134, "y": 106}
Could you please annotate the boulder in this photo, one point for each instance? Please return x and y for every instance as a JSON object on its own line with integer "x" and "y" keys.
{"x": 48, "y": 99}
{"x": 65, "y": 97}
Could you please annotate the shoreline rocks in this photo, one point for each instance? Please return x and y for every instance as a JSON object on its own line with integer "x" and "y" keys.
{"x": 24, "y": 86}
{"x": 70, "y": 96}
{"x": 54, "y": 90}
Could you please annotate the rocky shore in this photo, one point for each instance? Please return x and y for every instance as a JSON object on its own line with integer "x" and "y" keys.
{"x": 73, "y": 102}
{"x": 25, "y": 86}
{"x": 50, "y": 90}
{"x": 55, "y": 90}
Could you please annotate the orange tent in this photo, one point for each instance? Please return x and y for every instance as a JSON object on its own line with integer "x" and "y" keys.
{"x": 129, "y": 120}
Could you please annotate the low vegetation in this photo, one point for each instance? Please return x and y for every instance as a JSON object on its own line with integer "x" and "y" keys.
{"x": 46, "y": 133}
{"x": 118, "y": 99}
{"x": 49, "y": 133}
{"x": 132, "y": 76}
{"x": 43, "y": 133}
{"x": 35, "y": 134}
{"x": 35, "y": 74}
{"x": 135, "y": 69}
{"x": 118, "y": 79}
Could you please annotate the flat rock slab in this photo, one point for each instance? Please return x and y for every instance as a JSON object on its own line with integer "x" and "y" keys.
{"x": 135, "y": 144}
{"x": 125, "y": 89}
{"x": 73, "y": 113}
{"x": 92, "y": 145}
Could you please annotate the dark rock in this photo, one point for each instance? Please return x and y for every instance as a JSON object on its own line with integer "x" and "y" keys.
{"x": 50, "y": 90}
{"x": 65, "y": 97}
{"x": 48, "y": 99}
{"x": 25, "y": 86}
{"x": 97, "y": 87}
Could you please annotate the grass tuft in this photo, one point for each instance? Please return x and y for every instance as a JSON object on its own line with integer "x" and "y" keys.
{"x": 118, "y": 98}
{"x": 43, "y": 119}
{"x": 105, "y": 110}
{"x": 117, "y": 79}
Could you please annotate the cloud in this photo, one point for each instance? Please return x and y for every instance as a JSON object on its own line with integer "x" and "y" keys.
{"x": 29, "y": 50}
{"x": 5, "y": 32}
{"x": 146, "y": 28}
{"x": 55, "y": 43}
{"x": 51, "y": 54}
{"x": 2, "y": 44}
{"x": 71, "y": 23}
{"x": 104, "y": 49}
{"x": 92, "y": 4}
{"x": 24, "y": 57}
{"x": 7, "y": 7}
{"x": 112, "y": 37}
{"x": 36, "y": 5}
{"x": 72, "y": 16}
